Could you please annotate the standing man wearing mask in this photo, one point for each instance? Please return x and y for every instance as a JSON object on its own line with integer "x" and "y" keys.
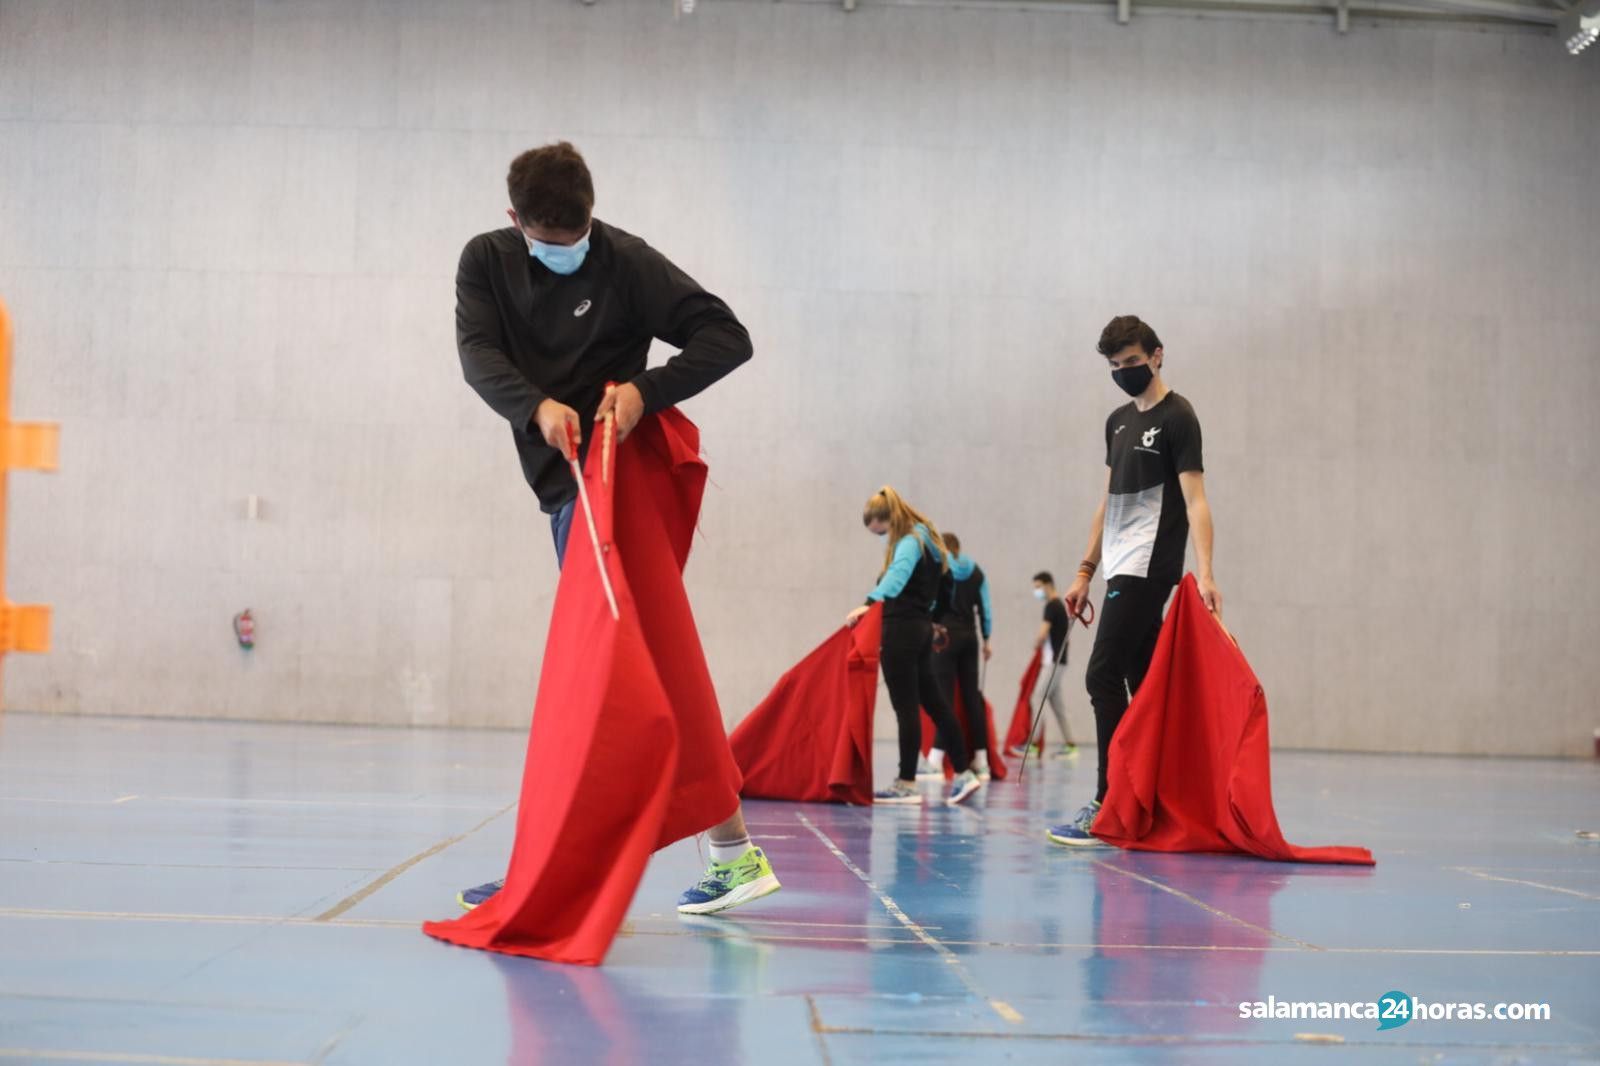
{"x": 1154, "y": 499}
{"x": 551, "y": 309}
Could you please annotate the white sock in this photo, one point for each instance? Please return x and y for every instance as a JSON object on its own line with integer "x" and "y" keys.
{"x": 936, "y": 758}
{"x": 980, "y": 761}
{"x": 727, "y": 850}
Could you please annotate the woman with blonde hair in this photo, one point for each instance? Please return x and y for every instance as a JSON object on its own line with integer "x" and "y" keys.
{"x": 915, "y": 569}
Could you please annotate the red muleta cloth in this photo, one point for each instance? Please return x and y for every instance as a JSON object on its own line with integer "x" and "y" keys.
{"x": 1190, "y": 765}
{"x": 810, "y": 740}
{"x": 627, "y": 752}
{"x": 1022, "y": 713}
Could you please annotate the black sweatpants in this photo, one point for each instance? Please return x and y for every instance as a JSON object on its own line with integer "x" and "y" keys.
{"x": 907, "y": 661}
{"x": 1125, "y": 641}
{"x": 957, "y": 667}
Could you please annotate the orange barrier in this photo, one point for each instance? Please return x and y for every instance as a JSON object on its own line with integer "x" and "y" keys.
{"x": 23, "y": 446}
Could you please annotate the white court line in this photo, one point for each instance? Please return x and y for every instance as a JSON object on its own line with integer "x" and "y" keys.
{"x": 131, "y": 1058}
{"x": 1517, "y": 881}
{"x": 950, "y": 958}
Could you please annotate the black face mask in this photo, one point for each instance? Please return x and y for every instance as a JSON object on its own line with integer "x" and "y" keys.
{"x": 1133, "y": 380}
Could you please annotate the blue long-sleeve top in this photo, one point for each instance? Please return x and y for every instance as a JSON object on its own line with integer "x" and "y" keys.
{"x": 961, "y": 568}
{"x": 906, "y": 553}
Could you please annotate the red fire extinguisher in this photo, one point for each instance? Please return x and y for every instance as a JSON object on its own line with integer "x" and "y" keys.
{"x": 244, "y": 628}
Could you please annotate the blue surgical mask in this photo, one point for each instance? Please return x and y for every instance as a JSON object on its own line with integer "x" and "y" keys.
{"x": 559, "y": 258}
{"x": 1038, "y": 593}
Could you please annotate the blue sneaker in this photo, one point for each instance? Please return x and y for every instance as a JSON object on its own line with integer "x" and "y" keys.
{"x": 964, "y": 785}
{"x": 899, "y": 792}
{"x": 1076, "y": 833}
{"x": 728, "y": 884}
{"x": 474, "y": 896}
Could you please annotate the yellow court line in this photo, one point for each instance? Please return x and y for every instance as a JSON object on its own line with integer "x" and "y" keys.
{"x": 351, "y": 900}
{"x": 1153, "y": 883}
{"x": 1518, "y": 881}
{"x": 950, "y": 958}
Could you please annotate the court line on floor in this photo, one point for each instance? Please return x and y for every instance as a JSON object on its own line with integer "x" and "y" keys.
{"x": 1005, "y": 1010}
{"x": 240, "y": 801}
{"x": 133, "y": 1058}
{"x": 745, "y": 933}
{"x": 394, "y": 872}
{"x": 1208, "y": 908}
{"x": 1473, "y": 872}
{"x": 818, "y": 1030}
{"x": 192, "y": 865}
{"x": 1304, "y": 945}
{"x": 196, "y": 919}
{"x": 1186, "y": 1040}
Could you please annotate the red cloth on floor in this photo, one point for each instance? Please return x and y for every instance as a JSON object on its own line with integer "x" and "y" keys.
{"x": 1022, "y": 713}
{"x": 1190, "y": 767}
{"x": 997, "y": 762}
{"x": 810, "y": 740}
{"x": 627, "y": 752}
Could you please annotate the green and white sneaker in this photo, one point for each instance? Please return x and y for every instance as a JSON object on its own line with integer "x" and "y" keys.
{"x": 728, "y": 884}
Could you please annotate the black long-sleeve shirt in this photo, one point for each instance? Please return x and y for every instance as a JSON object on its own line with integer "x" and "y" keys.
{"x": 526, "y": 334}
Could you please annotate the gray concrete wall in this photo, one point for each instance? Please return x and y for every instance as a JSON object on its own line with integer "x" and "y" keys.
{"x": 228, "y": 232}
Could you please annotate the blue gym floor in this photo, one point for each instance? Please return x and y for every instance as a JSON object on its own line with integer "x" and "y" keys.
{"x": 192, "y": 893}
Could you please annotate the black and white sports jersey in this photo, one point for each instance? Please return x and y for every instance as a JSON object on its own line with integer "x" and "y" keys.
{"x": 1146, "y": 520}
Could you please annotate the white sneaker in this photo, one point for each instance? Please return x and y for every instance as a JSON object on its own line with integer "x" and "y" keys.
{"x": 926, "y": 770}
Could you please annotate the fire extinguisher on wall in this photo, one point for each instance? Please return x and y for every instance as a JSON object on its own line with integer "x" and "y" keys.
{"x": 244, "y": 628}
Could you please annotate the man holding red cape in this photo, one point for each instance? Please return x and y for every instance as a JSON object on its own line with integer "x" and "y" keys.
{"x": 551, "y": 309}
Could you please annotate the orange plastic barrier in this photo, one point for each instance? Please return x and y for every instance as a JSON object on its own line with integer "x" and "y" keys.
{"x": 23, "y": 446}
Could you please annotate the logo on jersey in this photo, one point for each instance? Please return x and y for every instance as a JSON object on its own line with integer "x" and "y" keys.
{"x": 582, "y": 309}
{"x": 1149, "y": 438}
{"x": 1120, "y": 428}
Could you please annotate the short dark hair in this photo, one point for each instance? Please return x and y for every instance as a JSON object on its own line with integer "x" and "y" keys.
{"x": 1125, "y": 330}
{"x": 551, "y": 186}
{"x": 1044, "y": 577}
{"x": 951, "y": 541}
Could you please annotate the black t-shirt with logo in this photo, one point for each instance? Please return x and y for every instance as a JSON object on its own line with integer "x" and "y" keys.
{"x": 1055, "y": 612}
{"x": 1146, "y": 520}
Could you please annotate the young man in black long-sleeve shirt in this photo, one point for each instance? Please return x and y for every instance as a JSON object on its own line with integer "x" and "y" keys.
{"x": 548, "y": 311}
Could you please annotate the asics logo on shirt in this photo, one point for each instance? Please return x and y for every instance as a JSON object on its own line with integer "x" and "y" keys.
{"x": 1149, "y": 439}
{"x": 582, "y": 309}
{"x": 1120, "y": 429}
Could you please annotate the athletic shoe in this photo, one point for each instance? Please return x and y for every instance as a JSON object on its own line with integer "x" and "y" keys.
{"x": 897, "y": 793}
{"x": 982, "y": 770}
{"x": 474, "y": 896}
{"x": 926, "y": 771}
{"x": 1013, "y": 752}
{"x": 728, "y": 884}
{"x": 964, "y": 785}
{"x": 1068, "y": 751}
{"x": 1076, "y": 832}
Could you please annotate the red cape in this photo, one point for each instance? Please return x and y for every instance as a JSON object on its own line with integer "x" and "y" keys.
{"x": 1190, "y": 765}
{"x": 627, "y": 752}
{"x": 1022, "y": 713}
{"x": 810, "y": 740}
